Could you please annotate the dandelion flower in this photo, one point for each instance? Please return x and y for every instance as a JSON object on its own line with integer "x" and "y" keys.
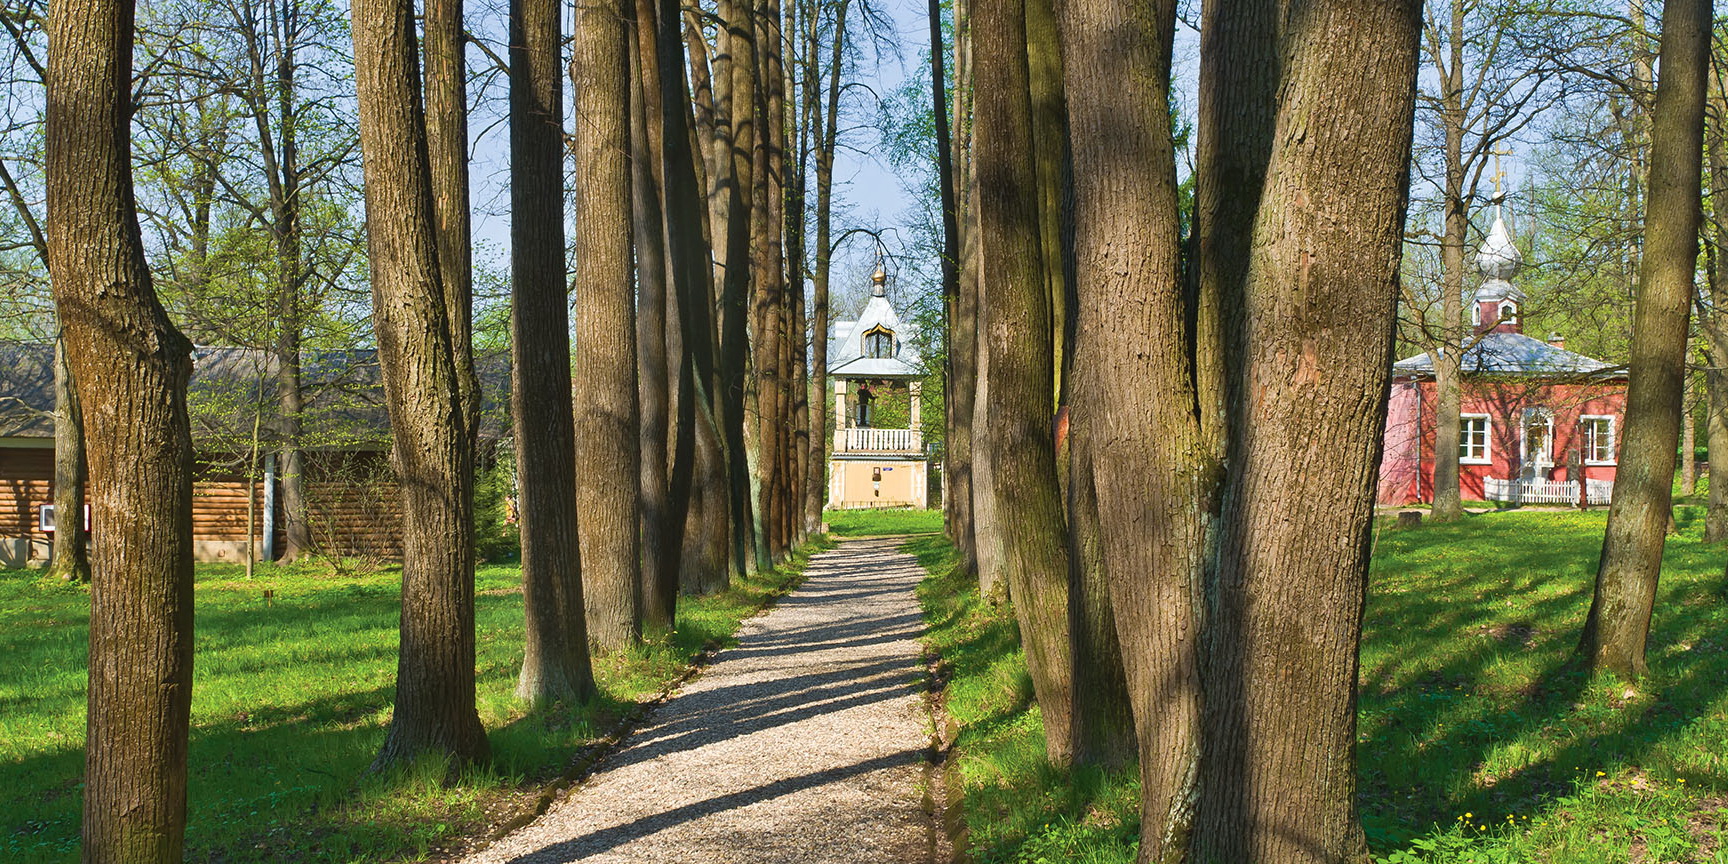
{"x": 1601, "y": 774}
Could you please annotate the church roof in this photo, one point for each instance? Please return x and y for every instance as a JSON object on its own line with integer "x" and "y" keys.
{"x": 1512, "y": 354}
{"x": 846, "y": 343}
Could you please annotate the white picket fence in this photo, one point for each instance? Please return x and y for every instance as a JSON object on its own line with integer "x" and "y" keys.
{"x": 862, "y": 440}
{"x": 1546, "y": 491}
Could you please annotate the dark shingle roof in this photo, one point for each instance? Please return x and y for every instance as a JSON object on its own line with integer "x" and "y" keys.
{"x": 1513, "y": 354}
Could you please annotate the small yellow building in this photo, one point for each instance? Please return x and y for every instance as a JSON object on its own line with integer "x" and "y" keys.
{"x": 876, "y": 461}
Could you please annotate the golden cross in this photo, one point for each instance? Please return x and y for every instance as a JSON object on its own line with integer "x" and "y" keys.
{"x": 1499, "y": 174}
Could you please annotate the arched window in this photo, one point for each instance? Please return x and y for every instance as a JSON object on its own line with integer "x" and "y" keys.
{"x": 1508, "y": 312}
{"x": 879, "y": 343}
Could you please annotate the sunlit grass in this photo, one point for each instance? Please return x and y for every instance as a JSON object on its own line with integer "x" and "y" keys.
{"x": 1468, "y": 705}
{"x": 864, "y": 523}
{"x": 290, "y": 700}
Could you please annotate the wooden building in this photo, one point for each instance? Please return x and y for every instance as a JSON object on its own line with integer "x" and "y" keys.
{"x": 354, "y": 505}
{"x": 878, "y": 457}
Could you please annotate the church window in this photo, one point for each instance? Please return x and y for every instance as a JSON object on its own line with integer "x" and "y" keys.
{"x": 1473, "y": 439}
{"x": 1598, "y": 439}
{"x": 1508, "y": 312}
{"x": 879, "y": 344}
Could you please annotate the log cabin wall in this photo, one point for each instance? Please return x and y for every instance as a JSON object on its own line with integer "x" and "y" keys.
{"x": 356, "y": 507}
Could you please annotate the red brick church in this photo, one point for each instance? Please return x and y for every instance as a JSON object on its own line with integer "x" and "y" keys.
{"x": 1531, "y": 411}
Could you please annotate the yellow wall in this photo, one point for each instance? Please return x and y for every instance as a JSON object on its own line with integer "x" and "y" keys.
{"x": 853, "y": 483}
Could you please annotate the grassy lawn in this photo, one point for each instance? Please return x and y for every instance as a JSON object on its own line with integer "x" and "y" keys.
{"x": 1478, "y": 742}
{"x": 865, "y": 523}
{"x": 290, "y": 702}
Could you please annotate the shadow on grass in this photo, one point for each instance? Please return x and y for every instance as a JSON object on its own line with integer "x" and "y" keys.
{"x": 1470, "y": 701}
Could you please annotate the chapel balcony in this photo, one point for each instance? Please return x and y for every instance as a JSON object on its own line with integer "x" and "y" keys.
{"x": 866, "y": 439}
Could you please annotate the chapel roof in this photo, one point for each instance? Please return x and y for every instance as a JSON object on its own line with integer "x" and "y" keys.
{"x": 1513, "y": 354}
{"x": 846, "y": 341}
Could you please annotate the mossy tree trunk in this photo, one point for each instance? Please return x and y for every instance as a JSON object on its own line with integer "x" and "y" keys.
{"x": 1619, "y": 618}
{"x": 1021, "y": 365}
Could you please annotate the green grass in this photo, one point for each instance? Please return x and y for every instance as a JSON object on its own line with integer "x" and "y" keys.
{"x": 1478, "y": 741}
{"x": 1015, "y": 806}
{"x": 290, "y": 702}
{"x": 865, "y": 523}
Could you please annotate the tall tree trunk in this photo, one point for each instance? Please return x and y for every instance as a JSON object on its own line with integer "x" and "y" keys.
{"x": 132, "y": 369}
{"x": 1021, "y": 366}
{"x": 1447, "y": 505}
{"x": 71, "y": 555}
{"x": 1688, "y": 433}
{"x": 766, "y": 253}
{"x": 607, "y": 444}
{"x": 738, "y": 197}
{"x": 956, "y": 471}
{"x": 555, "y": 664}
{"x": 820, "y": 279}
{"x": 1619, "y": 619}
{"x": 447, "y": 155}
{"x": 433, "y": 450}
{"x": 1713, "y": 328}
{"x": 1313, "y": 234}
{"x": 706, "y": 538}
{"x": 653, "y": 385}
{"x": 1152, "y": 477}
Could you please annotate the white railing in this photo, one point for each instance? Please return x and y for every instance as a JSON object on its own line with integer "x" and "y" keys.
{"x": 859, "y": 440}
{"x": 1546, "y": 491}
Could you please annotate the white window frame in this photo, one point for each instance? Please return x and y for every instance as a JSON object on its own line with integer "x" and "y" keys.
{"x": 1508, "y": 312}
{"x": 1613, "y": 439}
{"x": 1487, "y": 457}
{"x": 1476, "y": 314}
{"x": 1547, "y": 418}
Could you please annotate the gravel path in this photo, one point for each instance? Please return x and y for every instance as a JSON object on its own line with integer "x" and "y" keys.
{"x": 803, "y": 744}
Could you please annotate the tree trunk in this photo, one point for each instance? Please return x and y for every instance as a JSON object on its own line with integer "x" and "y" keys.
{"x": 1028, "y": 506}
{"x": 738, "y": 198}
{"x": 132, "y": 369}
{"x": 555, "y": 664}
{"x": 1619, "y": 619}
{"x": 956, "y": 471}
{"x": 1135, "y": 396}
{"x": 1309, "y": 317}
{"x": 1688, "y": 433}
{"x": 706, "y": 538}
{"x": 659, "y": 571}
{"x": 417, "y": 351}
{"x": 447, "y": 155}
{"x": 1447, "y": 505}
{"x": 827, "y": 141}
{"x": 71, "y": 555}
{"x": 1713, "y": 327}
{"x": 607, "y": 443}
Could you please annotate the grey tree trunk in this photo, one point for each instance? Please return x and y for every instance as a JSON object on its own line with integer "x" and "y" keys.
{"x": 555, "y": 665}
{"x": 433, "y": 446}
{"x": 1619, "y": 619}
{"x": 132, "y": 368}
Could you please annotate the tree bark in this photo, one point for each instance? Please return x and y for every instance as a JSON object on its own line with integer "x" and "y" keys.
{"x": 1619, "y": 619}
{"x": 555, "y": 665}
{"x": 607, "y": 441}
{"x": 956, "y": 472}
{"x": 1307, "y": 345}
{"x": 71, "y": 554}
{"x": 132, "y": 368}
{"x": 447, "y": 155}
{"x": 1448, "y": 505}
{"x": 738, "y": 198}
{"x": 1022, "y": 367}
{"x": 1153, "y": 477}
{"x": 827, "y": 140}
{"x": 1713, "y": 328}
{"x": 433, "y": 449}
